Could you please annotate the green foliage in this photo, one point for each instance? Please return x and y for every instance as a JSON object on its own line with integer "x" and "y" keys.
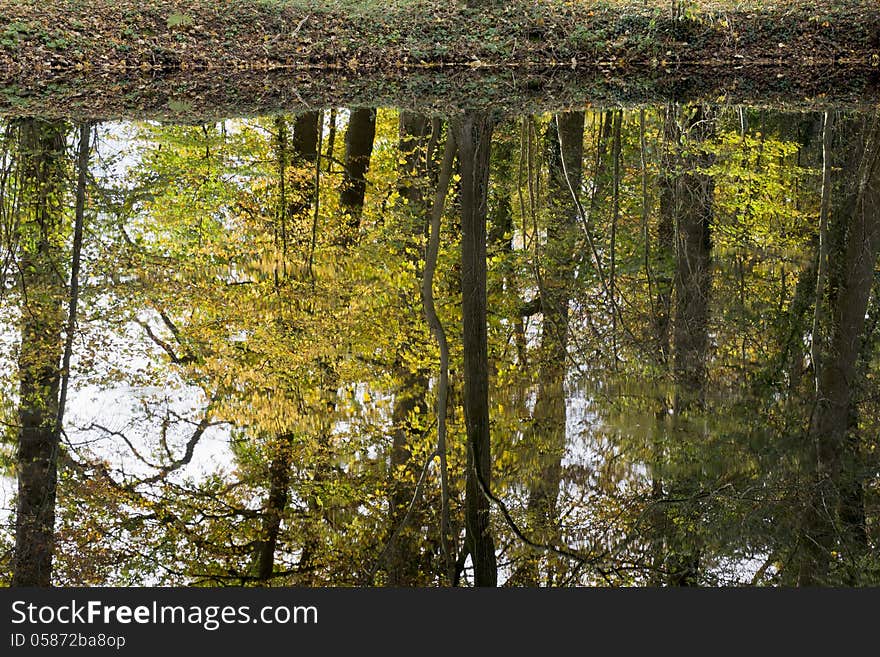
{"x": 179, "y": 20}
{"x": 14, "y": 33}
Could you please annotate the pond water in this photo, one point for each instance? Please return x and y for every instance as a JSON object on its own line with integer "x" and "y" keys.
{"x": 369, "y": 346}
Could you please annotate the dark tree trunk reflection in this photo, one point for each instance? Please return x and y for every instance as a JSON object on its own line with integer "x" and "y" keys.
{"x": 358, "y": 151}
{"x": 834, "y": 522}
{"x": 42, "y": 171}
{"x": 686, "y": 198}
{"x": 474, "y": 137}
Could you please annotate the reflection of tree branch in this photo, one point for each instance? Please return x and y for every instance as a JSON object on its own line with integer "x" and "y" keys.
{"x": 207, "y": 578}
{"x": 186, "y": 521}
{"x": 762, "y": 571}
{"x": 171, "y": 326}
{"x": 125, "y": 439}
{"x": 167, "y": 348}
{"x": 569, "y": 553}
{"x": 188, "y": 453}
{"x": 168, "y": 468}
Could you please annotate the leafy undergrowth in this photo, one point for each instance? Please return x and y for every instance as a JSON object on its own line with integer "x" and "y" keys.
{"x": 373, "y": 34}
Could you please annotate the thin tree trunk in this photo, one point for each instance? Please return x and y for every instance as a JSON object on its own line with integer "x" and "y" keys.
{"x": 615, "y": 216}
{"x": 82, "y": 166}
{"x": 331, "y": 138}
{"x": 446, "y": 539}
{"x": 822, "y": 262}
{"x": 665, "y": 258}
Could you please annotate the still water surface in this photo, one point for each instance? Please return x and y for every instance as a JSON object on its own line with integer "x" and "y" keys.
{"x": 659, "y": 330}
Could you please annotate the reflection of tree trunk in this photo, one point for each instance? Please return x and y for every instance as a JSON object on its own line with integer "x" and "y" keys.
{"x": 42, "y": 182}
{"x": 557, "y": 278}
{"x": 358, "y": 150}
{"x": 822, "y": 263}
{"x": 275, "y": 505}
{"x": 694, "y": 191}
{"x": 662, "y": 275}
{"x": 500, "y": 221}
{"x": 474, "y": 134}
{"x": 298, "y": 150}
{"x": 612, "y": 246}
{"x": 305, "y": 136}
{"x": 501, "y": 246}
{"x": 331, "y": 139}
{"x": 303, "y": 147}
{"x": 796, "y": 329}
{"x": 403, "y": 560}
{"x": 665, "y": 256}
{"x": 693, "y": 210}
{"x": 600, "y": 165}
{"x": 281, "y": 229}
{"x": 414, "y": 131}
{"x": 500, "y": 238}
{"x": 448, "y": 547}
{"x": 836, "y": 509}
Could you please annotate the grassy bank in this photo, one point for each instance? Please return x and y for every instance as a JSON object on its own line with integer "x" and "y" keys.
{"x": 369, "y": 35}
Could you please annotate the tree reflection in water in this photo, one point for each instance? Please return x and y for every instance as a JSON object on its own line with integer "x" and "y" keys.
{"x": 661, "y": 330}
